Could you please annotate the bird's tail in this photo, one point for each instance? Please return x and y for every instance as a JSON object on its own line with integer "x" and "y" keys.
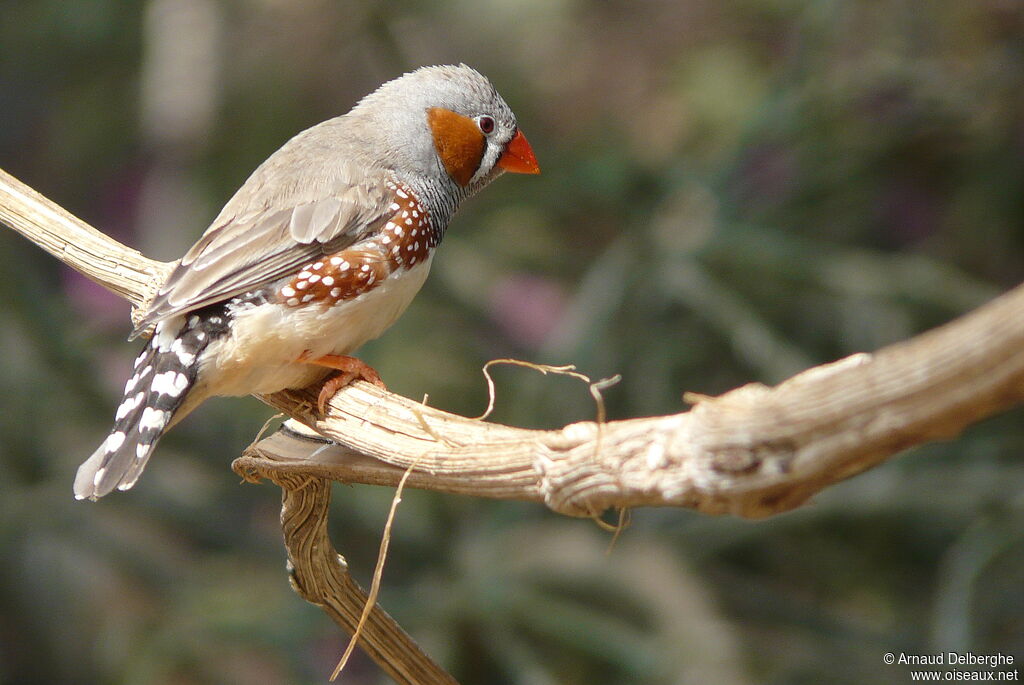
{"x": 164, "y": 373}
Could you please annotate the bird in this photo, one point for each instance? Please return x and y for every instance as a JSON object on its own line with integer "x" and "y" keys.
{"x": 319, "y": 251}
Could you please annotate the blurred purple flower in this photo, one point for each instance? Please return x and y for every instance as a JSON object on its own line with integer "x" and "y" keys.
{"x": 528, "y": 308}
{"x": 909, "y": 212}
{"x": 116, "y": 207}
{"x": 767, "y": 175}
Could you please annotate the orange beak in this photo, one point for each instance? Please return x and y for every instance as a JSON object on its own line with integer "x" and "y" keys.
{"x": 518, "y": 156}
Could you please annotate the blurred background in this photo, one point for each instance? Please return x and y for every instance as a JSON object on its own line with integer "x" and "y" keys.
{"x": 732, "y": 190}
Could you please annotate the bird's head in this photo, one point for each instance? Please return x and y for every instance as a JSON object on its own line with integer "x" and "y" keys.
{"x": 445, "y": 127}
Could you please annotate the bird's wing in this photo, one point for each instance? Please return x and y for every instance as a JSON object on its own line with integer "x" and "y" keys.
{"x": 270, "y": 228}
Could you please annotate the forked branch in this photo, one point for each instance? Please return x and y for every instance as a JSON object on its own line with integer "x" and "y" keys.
{"x": 753, "y": 452}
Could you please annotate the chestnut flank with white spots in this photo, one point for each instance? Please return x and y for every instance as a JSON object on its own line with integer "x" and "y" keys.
{"x": 363, "y": 266}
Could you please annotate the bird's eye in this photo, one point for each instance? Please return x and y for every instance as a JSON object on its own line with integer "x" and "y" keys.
{"x": 486, "y": 124}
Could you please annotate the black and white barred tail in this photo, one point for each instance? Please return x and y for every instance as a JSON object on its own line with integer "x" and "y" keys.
{"x": 164, "y": 373}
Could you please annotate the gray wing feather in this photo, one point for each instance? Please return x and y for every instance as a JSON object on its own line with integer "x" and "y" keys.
{"x": 313, "y": 219}
{"x": 291, "y": 224}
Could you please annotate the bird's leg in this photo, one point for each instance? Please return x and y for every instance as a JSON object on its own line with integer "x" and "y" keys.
{"x": 349, "y": 369}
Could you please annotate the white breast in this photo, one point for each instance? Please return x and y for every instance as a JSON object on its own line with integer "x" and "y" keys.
{"x": 259, "y": 354}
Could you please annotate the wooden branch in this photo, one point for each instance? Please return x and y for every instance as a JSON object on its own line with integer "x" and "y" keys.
{"x": 753, "y": 452}
{"x": 320, "y": 576}
{"x": 95, "y": 255}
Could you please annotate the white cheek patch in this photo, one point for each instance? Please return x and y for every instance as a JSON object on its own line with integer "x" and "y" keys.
{"x": 487, "y": 162}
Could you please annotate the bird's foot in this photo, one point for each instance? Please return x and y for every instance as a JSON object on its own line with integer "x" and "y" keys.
{"x": 349, "y": 369}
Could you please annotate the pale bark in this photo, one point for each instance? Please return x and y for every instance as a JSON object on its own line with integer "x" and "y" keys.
{"x": 753, "y": 452}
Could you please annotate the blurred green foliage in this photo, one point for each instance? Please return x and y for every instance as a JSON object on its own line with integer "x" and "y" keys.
{"x": 733, "y": 190}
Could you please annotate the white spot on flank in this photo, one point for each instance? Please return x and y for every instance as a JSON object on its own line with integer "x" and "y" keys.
{"x": 408, "y": 222}
{"x": 184, "y": 356}
{"x": 335, "y": 292}
{"x": 304, "y": 274}
{"x": 314, "y": 278}
{"x": 399, "y": 231}
{"x": 335, "y": 261}
{"x": 153, "y": 418}
{"x": 386, "y": 239}
{"x": 130, "y": 385}
{"x": 401, "y": 193}
{"x": 292, "y": 301}
{"x": 415, "y": 214}
{"x": 307, "y": 297}
{"x": 288, "y": 291}
{"x": 113, "y": 441}
{"x": 345, "y": 265}
{"x": 328, "y": 281}
{"x": 164, "y": 337}
{"x": 180, "y": 382}
{"x": 302, "y": 285}
{"x": 405, "y": 213}
{"x": 170, "y": 383}
{"x": 414, "y": 232}
{"x": 365, "y": 267}
{"x": 127, "y": 406}
{"x": 318, "y": 266}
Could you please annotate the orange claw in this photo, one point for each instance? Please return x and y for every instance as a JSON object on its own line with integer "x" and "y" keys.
{"x": 349, "y": 369}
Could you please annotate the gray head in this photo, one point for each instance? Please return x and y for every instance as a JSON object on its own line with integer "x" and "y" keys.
{"x": 442, "y": 129}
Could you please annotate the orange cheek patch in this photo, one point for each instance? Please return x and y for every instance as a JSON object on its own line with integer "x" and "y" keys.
{"x": 458, "y": 141}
